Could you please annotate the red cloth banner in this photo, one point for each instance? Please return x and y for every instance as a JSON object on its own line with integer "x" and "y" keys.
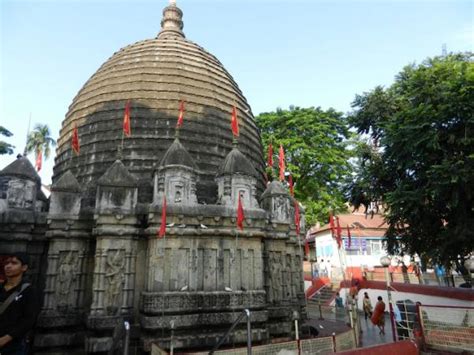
{"x": 162, "y": 231}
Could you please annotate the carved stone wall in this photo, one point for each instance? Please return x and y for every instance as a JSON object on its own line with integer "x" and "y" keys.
{"x": 177, "y": 183}
{"x": 204, "y": 263}
{"x": 114, "y": 277}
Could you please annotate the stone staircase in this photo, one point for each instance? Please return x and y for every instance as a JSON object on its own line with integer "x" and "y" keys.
{"x": 325, "y": 295}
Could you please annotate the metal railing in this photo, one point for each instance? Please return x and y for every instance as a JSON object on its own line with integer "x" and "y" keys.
{"x": 323, "y": 312}
{"x": 447, "y": 328}
{"x": 422, "y": 279}
{"x": 120, "y": 339}
{"x": 245, "y": 313}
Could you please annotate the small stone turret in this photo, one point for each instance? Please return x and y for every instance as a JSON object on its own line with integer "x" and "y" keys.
{"x": 65, "y": 196}
{"x": 276, "y": 200}
{"x": 117, "y": 190}
{"x": 19, "y": 185}
{"x": 236, "y": 176}
{"x": 175, "y": 178}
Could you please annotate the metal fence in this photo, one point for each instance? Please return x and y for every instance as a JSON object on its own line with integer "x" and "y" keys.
{"x": 447, "y": 328}
{"x": 318, "y": 311}
{"x": 423, "y": 279}
{"x": 319, "y": 345}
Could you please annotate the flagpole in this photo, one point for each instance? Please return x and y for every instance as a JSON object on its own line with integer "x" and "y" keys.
{"x": 120, "y": 148}
{"x": 25, "y": 152}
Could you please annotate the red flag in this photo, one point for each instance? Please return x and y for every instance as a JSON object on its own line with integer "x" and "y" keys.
{"x": 270, "y": 155}
{"x": 181, "y": 114}
{"x": 234, "y": 122}
{"x": 162, "y": 231}
{"x": 349, "y": 236}
{"x": 126, "y": 120}
{"x": 297, "y": 217}
{"x": 281, "y": 163}
{"x": 292, "y": 189}
{"x": 331, "y": 223}
{"x": 338, "y": 233}
{"x": 240, "y": 215}
{"x": 39, "y": 160}
{"x": 75, "y": 140}
{"x": 306, "y": 248}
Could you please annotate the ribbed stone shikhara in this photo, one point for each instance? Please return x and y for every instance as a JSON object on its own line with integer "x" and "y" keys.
{"x": 95, "y": 249}
{"x": 155, "y": 75}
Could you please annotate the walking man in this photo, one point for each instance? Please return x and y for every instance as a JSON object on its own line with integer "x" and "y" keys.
{"x": 367, "y": 305}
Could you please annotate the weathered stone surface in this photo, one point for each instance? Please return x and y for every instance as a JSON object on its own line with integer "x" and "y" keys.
{"x": 103, "y": 322}
{"x": 59, "y": 339}
{"x": 170, "y": 68}
{"x": 198, "y": 319}
{"x": 97, "y": 345}
{"x": 55, "y": 319}
{"x": 175, "y": 302}
{"x": 276, "y": 200}
{"x": 96, "y": 254}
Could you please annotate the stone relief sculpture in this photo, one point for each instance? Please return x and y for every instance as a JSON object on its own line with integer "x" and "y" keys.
{"x": 20, "y": 194}
{"x": 275, "y": 267}
{"x": 115, "y": 278}
{"x": 67, "y": 274}
{"x": 280, "y": 208}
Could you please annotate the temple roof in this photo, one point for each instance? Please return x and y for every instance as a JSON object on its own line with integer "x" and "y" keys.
{"x": 118, "y": 175}
{"x": 275, "y": 188}
{"x": 236, "y": 163}
{"x": 22, "y": 168}
{"x": 67, "y": 182}
{"x": 155, "y": 75}
{"x": 177, "y": 155}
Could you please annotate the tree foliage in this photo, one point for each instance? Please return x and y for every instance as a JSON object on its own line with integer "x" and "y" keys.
{"x": 420, "y": 157}
{"x": 5, "y": 148}
{"x": 39, "y": 141}
{"x": 315, "y": 143}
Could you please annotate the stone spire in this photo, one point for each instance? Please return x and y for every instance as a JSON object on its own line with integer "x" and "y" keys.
{"x": 172, "y": 22}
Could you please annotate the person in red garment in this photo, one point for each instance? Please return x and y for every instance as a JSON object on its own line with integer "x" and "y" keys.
{"x": 378, "y": 318}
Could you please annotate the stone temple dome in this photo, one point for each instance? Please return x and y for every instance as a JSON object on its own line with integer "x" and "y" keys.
{"x": 144, "y": 228}
{"x": 155, "y": 75}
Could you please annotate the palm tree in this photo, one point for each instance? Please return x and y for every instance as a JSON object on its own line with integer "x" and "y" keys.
{"x": 40, "y": 141}
{"x": 5, "y": 148}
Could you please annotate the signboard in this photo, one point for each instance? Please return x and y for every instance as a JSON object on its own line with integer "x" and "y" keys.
{"x": 356, "y": 244}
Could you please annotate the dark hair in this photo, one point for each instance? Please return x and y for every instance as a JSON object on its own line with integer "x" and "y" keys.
{"x": 22, "y": 257}
{"x": 379, "y": 298}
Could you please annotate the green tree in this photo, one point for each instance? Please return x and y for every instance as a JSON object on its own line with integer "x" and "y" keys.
{"x": 5, "y": 148}
{"x": 419, "y": 159}
{"x": 39, "y": 141}
{"x": 317, "y": 155}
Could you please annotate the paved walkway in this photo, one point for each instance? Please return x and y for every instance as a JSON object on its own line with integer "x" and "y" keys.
{"x": 370, "y": 333}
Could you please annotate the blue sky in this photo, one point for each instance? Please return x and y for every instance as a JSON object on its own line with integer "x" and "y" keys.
{"x": 280, "y": 52}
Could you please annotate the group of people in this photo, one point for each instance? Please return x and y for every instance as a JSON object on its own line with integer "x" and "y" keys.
{"x": 18, "y": 306}
{"x": 377, "y": 316}
{"x": 322, "y": 268}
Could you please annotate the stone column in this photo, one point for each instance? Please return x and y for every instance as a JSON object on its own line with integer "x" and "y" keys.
{"x": 66, "y": 295}
{"x": 114, "y": 278}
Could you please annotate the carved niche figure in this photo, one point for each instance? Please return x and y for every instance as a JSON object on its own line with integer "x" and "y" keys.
{"x": 280, "y": 208}
{"x": 290, "y": 278}
{"x": 275, "y": 267}
{"x": 67, "y": 273}
{"x": 19, "y": 194}
{"x": 115, "y": 278}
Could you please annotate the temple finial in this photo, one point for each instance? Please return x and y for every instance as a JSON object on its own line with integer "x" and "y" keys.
{"x": 172, "y": 22}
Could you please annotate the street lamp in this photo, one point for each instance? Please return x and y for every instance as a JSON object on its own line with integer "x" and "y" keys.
{"x": 385, "y": 262}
